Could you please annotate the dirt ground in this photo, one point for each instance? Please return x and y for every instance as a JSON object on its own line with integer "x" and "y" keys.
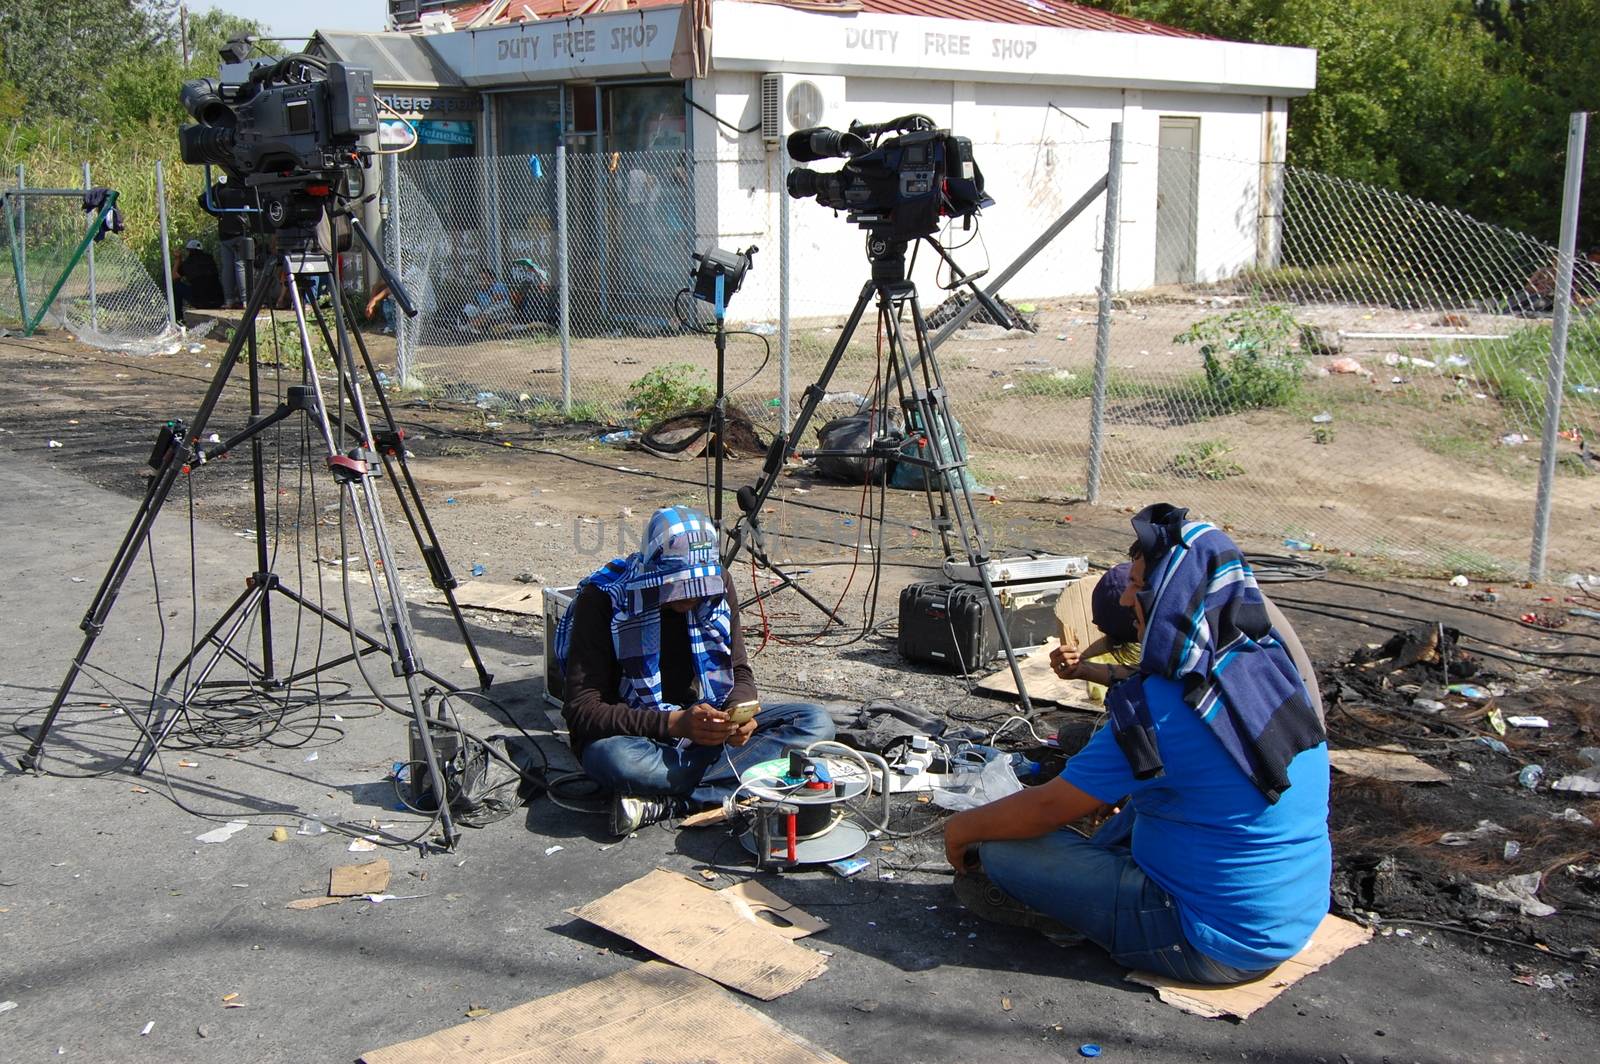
{"x": 1408, "y": 467}
{"x": 110, "y": 916}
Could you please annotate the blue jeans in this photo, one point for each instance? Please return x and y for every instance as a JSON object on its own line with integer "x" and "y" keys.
{"x": 1093, "y": 885}
{"x": 632, "y": 764}
{"x": 232, "y": 253}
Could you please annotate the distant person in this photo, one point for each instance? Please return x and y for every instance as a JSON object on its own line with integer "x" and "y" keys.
{"x": 489, "y": 304}
{"x": 1538, "y": 295}
{"x": 382, "y": 300}
{"x": 195, "y": 280}
{"x": 228, "y": 204}
{"x": 1114, "y": 656}
{"x": 654, "y": 660}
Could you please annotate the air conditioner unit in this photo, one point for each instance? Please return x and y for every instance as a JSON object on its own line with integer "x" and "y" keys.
{"x": 796, "y": 101}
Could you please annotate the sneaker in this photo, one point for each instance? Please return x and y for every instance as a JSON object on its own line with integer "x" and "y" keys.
{"x": 987, "y": 901}
{"x": 630, "y": 812}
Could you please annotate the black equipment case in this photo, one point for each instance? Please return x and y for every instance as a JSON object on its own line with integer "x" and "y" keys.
{"x": 950, "y": 624}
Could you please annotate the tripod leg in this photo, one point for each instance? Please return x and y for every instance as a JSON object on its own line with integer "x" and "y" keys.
{"x": 944, "y": 439}
{"x": 242, "y": 609}
{"x": 155, "y": 497}
{"x": 756, "y": 498}
{"x": 393, "y": 451}
{"x": 356, "y": 479}
{"x": 258, "y": 478}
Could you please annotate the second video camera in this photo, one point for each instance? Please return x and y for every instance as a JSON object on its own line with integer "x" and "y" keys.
{"x": 895, "y": 187}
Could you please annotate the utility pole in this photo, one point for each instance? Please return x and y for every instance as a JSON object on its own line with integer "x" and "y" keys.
{"x": 183, "y": 31}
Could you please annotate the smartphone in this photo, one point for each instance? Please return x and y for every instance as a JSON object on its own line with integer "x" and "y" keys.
{"x": 744, "y": 711}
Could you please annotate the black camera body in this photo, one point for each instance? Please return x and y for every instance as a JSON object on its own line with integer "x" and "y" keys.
{"x": 295, "y": 116}
{"x": 899, "y": 187}
{"x": 289, "y": 128}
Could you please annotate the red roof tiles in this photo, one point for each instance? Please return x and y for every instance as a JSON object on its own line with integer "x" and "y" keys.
{"x": 1019, "y": 12}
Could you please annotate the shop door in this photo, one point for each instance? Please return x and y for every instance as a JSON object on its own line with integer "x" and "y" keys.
{"x": 1177, "y": 200}
{"x": 588, "y": 244}
{"x": 650, "y": 213}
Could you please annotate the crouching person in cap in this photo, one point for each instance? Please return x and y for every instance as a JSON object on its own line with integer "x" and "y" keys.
{"x": 655, "y": 666}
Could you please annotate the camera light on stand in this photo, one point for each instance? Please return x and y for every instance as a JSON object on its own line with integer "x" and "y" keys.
{"x": 727, "y": 266}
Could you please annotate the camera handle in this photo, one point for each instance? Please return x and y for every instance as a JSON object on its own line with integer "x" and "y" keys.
{"x": 390, "y": 278}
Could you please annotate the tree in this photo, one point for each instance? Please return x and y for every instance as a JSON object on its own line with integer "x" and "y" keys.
{"x": 1460, "y": 102}
{"x": 56, "y": 50}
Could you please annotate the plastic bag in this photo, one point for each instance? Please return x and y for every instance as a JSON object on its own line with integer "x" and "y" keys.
{"x": 994, "y": 781}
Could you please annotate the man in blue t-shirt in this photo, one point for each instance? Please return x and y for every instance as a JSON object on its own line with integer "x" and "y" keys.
{"x": 1209, "y": 873}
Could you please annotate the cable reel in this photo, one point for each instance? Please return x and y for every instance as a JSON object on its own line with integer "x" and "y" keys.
{"x": 803, "y": 813}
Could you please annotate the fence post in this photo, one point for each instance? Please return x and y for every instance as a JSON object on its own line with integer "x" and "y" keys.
{"x": 562, "y": 272}
{"x": 783, "y": 292}
{"x": 389, "y": 203}
{"x": 94, "y": 309}
{"x": 22, "y": 244}
{"x": 1102, "y": 335}
{"x": 166, "y": 250}
{"x": 1555, "y": 375}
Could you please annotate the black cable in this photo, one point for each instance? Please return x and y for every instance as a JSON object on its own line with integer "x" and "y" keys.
{"x": 1460, "y": 606}
{"x": 718, "y": 119}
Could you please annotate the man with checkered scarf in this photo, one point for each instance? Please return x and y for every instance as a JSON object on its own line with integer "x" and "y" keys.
{"x": 654, "y": 660}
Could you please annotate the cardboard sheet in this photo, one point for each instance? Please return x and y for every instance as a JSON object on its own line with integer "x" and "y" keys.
{"x": 1042, "y": 682}
{"x": 347, "y": 881}
{"x": 1073, "y": 612}
{"x": 692, "y": 925}
{"x": 1386, "y": 763}
{"x": 653, "y": 1012}
{"x": 750, "y": 899}
{"x": 1333, "y": 937}
{"x": 526, "y": 599}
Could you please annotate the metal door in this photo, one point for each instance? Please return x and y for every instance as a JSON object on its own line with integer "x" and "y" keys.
{"x": 1177, "y": 200}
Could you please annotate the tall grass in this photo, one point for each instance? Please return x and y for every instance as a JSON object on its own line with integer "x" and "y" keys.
{"x": 1514, "y": 369}
{"x": 55, "y": 156}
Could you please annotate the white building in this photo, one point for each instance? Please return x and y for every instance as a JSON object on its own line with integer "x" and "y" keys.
{"x": 1035, "y": 84}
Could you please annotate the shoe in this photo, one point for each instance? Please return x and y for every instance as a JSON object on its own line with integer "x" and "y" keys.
{"x": 987, "y": 901}
{"x": 630, "y": 812}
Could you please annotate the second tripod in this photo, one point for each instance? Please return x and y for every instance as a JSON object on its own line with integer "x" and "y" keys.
{"x": 914, "y": 375}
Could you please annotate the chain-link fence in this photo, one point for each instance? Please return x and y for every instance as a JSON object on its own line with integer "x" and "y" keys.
{"x": 99, "y": 292}
{"x": 1303, "y": 358}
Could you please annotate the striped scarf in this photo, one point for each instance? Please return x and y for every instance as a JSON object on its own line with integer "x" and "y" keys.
{"x": 1206, "y": 626}
{"x": 678, "y": 561}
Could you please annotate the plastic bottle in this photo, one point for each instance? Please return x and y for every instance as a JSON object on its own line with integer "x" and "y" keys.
{"x": 1530, "y": 776}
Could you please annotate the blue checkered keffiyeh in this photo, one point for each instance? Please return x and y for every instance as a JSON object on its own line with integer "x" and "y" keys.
{"x": 678, "y": 561}
{"x": 1206, "y": 626}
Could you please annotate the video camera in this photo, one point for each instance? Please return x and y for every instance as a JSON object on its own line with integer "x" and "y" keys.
{"x": 283, "y": 125}
{"x": 897, "y": 187}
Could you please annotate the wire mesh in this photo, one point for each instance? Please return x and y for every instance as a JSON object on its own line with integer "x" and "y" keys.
{"x": 1303, "y": 358}
{"x": 107, "y": 298}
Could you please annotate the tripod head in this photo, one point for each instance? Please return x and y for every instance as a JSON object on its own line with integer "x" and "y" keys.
{"x": 888, "y": 259}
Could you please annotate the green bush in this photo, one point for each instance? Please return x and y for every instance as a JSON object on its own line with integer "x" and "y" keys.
{"x": 666, "y": 390}
{"x": 1514, "y": 369}
{"x": 1206, "y": 460}
{"x": 1248, "y": 357}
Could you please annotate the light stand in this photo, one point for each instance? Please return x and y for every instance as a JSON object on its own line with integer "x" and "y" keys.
{"x": 718, "y": 275}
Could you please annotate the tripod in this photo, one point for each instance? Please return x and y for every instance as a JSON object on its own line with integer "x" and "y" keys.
{"x": 179, "y": 452}
{"x": 919, "y": 387}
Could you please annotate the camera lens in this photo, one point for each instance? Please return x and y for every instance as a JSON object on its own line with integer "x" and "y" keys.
{"x": 198, "y": 145}
{"x": 200, "y": 98}
{"x": 830, "y": 143}
{"x": 803, "y": 182}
